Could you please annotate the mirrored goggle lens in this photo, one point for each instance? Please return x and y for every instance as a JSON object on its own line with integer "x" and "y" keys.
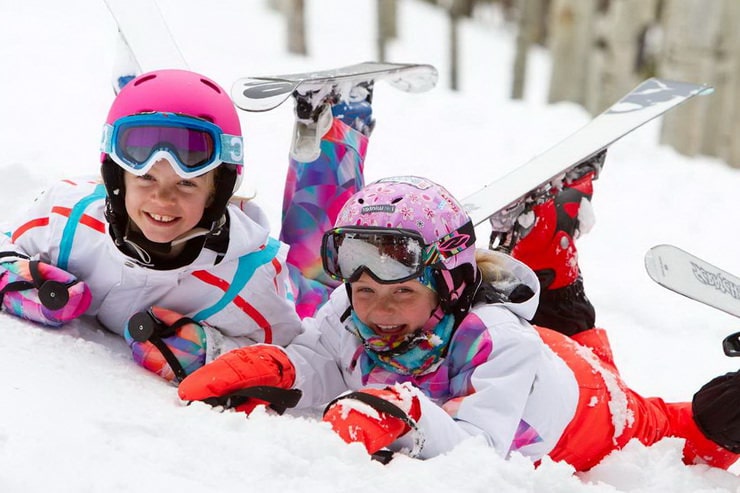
{"x": 192, "y": 148}
{"x": 386, "y": 256}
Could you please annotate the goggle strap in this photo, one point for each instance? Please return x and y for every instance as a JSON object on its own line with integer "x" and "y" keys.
{"x": 232, "y": 149}
{"x": 106, "y": 141}
{"x": 451, "y": 244}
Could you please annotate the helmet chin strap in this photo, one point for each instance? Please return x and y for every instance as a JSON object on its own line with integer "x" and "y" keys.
{"x": 151, "y": 253}
{"x": 436, "y": 315}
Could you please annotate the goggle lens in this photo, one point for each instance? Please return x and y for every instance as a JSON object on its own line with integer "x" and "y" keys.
{"x": 389, "y": 256}
{"x": 193, "y": 148}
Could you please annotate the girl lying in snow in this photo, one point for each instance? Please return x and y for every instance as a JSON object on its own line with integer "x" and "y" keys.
{"x": 162, "y": 238}
{"x": 429, "y": 337}
{"x": 428, "y": 343}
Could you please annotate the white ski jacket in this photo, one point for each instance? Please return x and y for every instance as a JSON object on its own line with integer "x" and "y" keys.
{"x": 498, "y": 379}
{"x": 245, "y": 298}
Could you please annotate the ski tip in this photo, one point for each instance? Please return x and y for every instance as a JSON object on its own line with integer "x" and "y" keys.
{"x": 654, "y": 265}
{"x": 687, "y": 89}
{"x": 257, "y": 95}
{"x": 418, "y": 79}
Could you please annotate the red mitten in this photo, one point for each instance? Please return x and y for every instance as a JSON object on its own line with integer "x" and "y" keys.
{"x": 374, "y": 417}
{"x": 243, "y": 379}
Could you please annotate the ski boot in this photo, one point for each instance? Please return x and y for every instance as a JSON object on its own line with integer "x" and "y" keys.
{"x": 715, "y": 409}
{"x": 540, "y": 231}
{"x": 356, "y": 110}
{"x": 315, "y": 110}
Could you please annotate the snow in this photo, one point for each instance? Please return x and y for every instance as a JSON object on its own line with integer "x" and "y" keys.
{"x": 77, "y": 415}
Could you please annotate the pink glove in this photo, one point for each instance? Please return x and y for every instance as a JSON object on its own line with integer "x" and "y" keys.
{"x": 41, "y": 292}
{"x": 166, "y": 343}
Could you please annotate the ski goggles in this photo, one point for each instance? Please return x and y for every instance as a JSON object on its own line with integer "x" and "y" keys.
{"x": 192, "y": 145}
{"x": 388, "y": 255}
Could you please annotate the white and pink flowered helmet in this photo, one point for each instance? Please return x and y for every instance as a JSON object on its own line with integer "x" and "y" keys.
{"x": 394, "y": 211}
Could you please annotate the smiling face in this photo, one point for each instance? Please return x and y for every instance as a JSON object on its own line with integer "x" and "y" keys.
{"x": 392, "y": 309}
{"x": 163, "y": 205}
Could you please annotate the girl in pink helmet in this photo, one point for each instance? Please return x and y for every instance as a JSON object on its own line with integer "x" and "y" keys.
{"x": 160, "y": 251}
{"x": 427, "y": 343}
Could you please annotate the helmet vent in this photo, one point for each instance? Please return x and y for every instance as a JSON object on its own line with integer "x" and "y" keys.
{"x": 396, "y": 200}
{"x": 211, "y": 85}
{"x": 361, "y": 200}
{"x": 146, "y": 78}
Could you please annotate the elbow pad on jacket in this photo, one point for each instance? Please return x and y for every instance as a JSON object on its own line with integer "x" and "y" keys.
{"x": 166, "y": 343}
{"x": 41, "y": 292}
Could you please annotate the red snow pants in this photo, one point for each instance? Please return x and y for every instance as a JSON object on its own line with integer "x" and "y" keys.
{"x": 610, "y": 414}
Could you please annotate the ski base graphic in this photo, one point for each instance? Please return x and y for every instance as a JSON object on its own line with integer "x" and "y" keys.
{"x": 690, "y": 276}
{"x": 269, "y": 92}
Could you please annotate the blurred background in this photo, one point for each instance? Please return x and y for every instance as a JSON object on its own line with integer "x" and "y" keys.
{"x": 600, "y": 49}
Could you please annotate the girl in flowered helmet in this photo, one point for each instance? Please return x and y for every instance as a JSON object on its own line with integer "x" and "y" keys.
{"x": 429, "y": 345}
{"x": 408, "y": 338}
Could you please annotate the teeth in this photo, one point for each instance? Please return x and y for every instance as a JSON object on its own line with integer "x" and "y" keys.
{"x": 387, "y": 328}
{"x": 162, "y": 219}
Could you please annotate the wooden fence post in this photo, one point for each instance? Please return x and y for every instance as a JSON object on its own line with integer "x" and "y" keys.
{"x": 296, "y": 27}
{"x": 691, "y": 30}
{"x": 733, "y": 129}
{"x": 456, "y": 9}
{"x": 723, "y": 114}
{"x": 617, "y": 47}
{"x": 598, "y": 50}
{"x": 529, "y": 19}
{"x": 387, "y": 25}
{"x": 570, "y": 41}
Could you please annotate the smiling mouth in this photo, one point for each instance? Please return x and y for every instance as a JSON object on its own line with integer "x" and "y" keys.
{"x": 389, "y": 329}
{"x": 160, "y": 218}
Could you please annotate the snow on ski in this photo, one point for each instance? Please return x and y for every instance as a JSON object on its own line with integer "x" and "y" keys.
{"x": 690, "y": 276}
{"x": 647, "y": 101}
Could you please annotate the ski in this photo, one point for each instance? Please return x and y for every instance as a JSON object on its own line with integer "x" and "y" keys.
{"x": 585, "y": 148}
{"x": 268, "y": 92}
{"x": 145, "y": 42}
{"x": 690, "y": 276}
{"x": 352, "y": 84}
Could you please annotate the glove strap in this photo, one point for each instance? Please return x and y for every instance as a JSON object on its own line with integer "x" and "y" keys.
{"x": 54, "y": 295}
{"x": 279, "y": 398}
{"x": 145, "y": 326}
{"x": 387, "y": 407}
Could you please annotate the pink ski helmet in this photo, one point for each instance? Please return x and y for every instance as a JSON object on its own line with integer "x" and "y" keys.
{"x": 183, "y": 93}
{"x": 177, "y": 91}
{"x": 418, "y": 204}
